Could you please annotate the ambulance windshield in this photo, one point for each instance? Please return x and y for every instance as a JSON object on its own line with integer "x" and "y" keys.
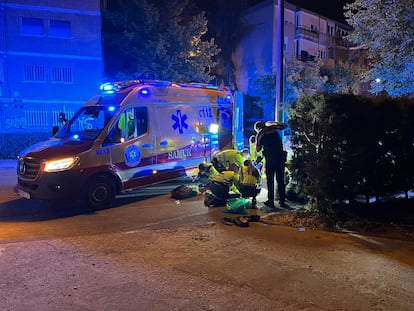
{"x": 87, "y": 123}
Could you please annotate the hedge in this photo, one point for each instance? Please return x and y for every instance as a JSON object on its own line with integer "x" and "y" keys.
{"x": 346, "y": 147}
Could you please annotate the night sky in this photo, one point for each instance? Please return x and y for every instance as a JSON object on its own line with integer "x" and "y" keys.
{"x": 328, "y": 8}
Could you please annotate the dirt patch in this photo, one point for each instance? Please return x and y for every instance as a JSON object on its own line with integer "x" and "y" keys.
{"x": 393, "y": 221}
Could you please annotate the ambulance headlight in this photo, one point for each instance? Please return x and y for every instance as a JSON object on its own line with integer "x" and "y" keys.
{"x": 60, "y": 165}
{"x": 213, "y": 128}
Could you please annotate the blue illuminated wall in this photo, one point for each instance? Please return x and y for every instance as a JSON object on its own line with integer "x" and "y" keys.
{"x": 50, "y": 60}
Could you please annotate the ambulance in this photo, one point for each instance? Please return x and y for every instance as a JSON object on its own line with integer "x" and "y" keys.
{"x": 131, "y": 134}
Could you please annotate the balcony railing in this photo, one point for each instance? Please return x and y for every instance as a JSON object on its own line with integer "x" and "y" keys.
{"x": 307, "y": 33}
{"x": 329, "y": 41}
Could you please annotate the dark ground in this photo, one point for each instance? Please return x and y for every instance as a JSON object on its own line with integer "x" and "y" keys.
{"x": 394, "y": 219}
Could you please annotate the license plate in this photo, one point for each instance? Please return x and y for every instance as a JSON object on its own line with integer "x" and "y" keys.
{"x": 24, "y": 194}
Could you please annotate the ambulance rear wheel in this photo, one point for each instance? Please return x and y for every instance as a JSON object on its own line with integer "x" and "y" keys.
{"x": 100, "y": 192}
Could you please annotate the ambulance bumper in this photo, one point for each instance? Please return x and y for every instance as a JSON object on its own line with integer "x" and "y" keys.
{"x": 51, "y": 187}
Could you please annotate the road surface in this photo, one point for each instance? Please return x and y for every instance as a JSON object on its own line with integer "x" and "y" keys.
{"x": 150, "y": 252}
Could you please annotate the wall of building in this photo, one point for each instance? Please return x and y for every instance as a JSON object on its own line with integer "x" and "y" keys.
{"x": 51, "y": 60}
{"x": 307, "y": 36}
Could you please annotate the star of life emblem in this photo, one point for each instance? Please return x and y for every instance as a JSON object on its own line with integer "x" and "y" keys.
{"x": 179, "y": 121}
{"x": 132, "y": 156}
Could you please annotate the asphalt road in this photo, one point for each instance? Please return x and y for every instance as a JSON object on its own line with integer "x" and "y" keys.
{"x": 150, "y": 252}
{"x": 149, "y": 207}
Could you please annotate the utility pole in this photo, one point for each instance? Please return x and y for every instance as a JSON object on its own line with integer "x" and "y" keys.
{"x": 280, "y": 42}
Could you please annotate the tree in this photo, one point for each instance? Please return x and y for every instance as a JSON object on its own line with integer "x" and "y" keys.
{"x": 157, "y": 39}
{"x": 342, "y": 78}
{"x": 302, "y": 78}
{"x": 384, "y": 27}
{"x": 227, "y": 29}
{"x": 310, "y": 145}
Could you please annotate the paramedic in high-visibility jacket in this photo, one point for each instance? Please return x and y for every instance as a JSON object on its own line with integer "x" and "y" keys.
{"x": 250, "y": 181}
{"x": 224, "y": 159}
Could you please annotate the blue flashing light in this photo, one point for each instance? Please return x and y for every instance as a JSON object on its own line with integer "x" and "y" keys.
{"x": 111, "y": 108}
{"x": 76, "y": 136}
{"x": 228, "y": 97}
{"x": 144, "y": 92}
{"x": 107, "y": 87}
{"x": 213, "y": 87}
{"x": 198, "y": 85}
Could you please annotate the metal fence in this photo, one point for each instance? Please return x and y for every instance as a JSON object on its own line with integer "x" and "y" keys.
{"x": 16, "y": 117}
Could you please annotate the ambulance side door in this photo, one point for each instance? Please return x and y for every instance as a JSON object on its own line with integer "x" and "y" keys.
{"x": 132, "y": 148}
{"x": 178, "y": 143}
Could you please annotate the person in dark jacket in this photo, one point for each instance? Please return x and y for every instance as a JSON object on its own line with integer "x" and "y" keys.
{"x": 62, "y": 120}
{"x": 269, "y": 140}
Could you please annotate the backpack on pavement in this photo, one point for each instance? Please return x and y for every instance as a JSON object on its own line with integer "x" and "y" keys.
{"x": 183, "y": 192}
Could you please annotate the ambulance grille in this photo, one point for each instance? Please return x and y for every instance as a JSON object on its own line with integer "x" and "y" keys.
{"x": 28, "y": 168}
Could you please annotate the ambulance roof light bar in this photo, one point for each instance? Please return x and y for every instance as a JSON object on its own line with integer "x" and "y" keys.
{"x": 206, "y": 86}
{"x": 111, "y": 87}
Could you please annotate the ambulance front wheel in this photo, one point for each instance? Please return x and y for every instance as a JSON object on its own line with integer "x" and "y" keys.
{"x": 100, "y": 192}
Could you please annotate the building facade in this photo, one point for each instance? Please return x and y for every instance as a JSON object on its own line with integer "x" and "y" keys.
{"x": 319, "y": 37}
{"x": 307, "y": 36}
{"x": 50, "y": 60}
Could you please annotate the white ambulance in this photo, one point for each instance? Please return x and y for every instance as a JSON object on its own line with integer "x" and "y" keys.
{"x": 131, "y": 134}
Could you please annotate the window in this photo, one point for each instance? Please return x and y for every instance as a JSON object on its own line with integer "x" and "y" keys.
{"x": 32, "y": 26}
{"x": 131, "y": 129}
{"x": 34, "y": 73}
{"x": 141, "y": 115}
{"x": 136, "y": 122}
{"x": 60, "y": 29}
{"x": 132, "y": 123}
{"x": 322, "y": 54}
{"x": 61, "y": 74}
{"x": 88, "y": 122}
{"x": 304, "y": 55}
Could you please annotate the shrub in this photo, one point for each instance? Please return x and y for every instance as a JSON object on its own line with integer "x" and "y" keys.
{"x": 13, "y": 143}
{"x": 346, "y": 146}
